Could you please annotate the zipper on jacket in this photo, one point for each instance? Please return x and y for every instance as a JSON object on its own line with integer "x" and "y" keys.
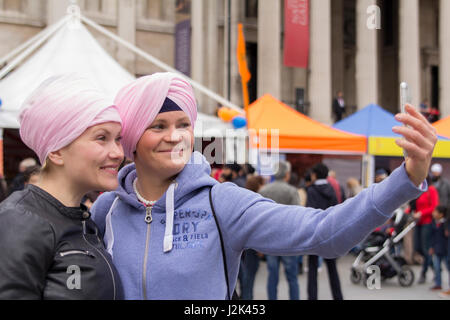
{"x": 104, "y": 258}
{"x": 148, "y": 220}
{"x": 74, "y": 252}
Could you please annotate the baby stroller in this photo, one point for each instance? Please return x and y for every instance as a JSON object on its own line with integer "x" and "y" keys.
{"x": 381, "y": 249}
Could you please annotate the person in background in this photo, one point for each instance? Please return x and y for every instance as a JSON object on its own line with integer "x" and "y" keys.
{"x": 283, "y": 193}
{"x": 439, "y": 245}
{"x": 235, "y": 174}
{"x": 32, "y": 175}
{"x": 321, "y": 195}
{"x": 250, "y": 258}
{"x": 89, "y": 199}
{"x": 425, "y": 109}
{"x": 446, "y": 294}
{"x": 339, "y": 106}
{"x": 3, "y": 188}
{"x": 18, "y": 182}
{"x": 380, "y": 175}
{"x": 338, "y": 188}
{"x": 435, "y": 115}
{"x": 295, "y": 182}
{"x": 216, "y": 173}
{"x": 441, "y": 184}
{"x": 353, "y": 187}
{"x": 424, "y": 207}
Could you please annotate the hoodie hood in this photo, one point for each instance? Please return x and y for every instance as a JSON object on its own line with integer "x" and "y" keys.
{"x": 194, "y": 176}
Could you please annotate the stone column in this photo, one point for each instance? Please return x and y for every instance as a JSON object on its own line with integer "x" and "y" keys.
{"x": 235, "y": 84}
{"x": 56, "y": 10}
{"x": 33, "y": 8}
{"x": 269, "y": 50}
{"x": 109, "y": 7}
{"x": 213, "y": 48}
{"x": 169, "y": 10}
{"x": 337, "y": 45}
{"x": 409, "y": 52}
{"x": 126, "y": 27}
{"x": 320, "y": 91}
{"x": 444, "y": 47}
{"x": 366, "y": 56}
{"x": 198, "y": 46}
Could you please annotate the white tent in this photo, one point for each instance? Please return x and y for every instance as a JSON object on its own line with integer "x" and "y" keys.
{"x": 74, "y": 49}
{"x": 67, "y": 46}
{"x": 69, "y": 50}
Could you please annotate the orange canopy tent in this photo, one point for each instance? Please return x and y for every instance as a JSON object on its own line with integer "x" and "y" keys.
{"x": 443, "y": 127}
{"x": 298, "y": 133}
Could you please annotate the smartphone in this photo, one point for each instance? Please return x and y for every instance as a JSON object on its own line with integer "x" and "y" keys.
{"x": 405, "y": 98}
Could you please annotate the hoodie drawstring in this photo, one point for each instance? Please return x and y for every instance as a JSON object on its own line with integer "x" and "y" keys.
{"x": 168, "y": 234}
{"x": 109, "y": 235}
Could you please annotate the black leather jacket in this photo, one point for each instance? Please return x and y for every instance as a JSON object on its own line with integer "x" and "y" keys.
{"x": 49, "y": 251}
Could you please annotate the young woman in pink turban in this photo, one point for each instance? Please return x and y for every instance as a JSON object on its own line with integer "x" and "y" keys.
{"x": 176, "y": 233}
{"x": 50, "y": 247}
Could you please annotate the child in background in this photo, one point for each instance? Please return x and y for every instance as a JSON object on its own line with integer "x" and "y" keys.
{"x": 446, "y": 294}
{"x": 439, "y": 244}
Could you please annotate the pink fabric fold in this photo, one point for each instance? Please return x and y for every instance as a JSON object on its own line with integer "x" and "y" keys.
{"x": 140, "y": 102}
{"x": 60, "y": 110}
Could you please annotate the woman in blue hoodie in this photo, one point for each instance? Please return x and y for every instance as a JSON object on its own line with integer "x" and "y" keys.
{"x": 159, "y": 224}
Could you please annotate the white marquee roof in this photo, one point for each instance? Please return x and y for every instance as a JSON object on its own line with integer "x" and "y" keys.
{"x": 74, "y": 50}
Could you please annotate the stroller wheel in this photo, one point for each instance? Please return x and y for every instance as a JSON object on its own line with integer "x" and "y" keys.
{"x": 406, "y": 277}
{"x": 355, "y": 276}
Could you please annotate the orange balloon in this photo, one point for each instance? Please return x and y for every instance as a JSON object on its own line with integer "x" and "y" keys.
{"x": 225, "y": 114}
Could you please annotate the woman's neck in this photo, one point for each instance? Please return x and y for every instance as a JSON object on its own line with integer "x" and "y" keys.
{"x": 62, "y": 190}
{"x": 151, "y": 187}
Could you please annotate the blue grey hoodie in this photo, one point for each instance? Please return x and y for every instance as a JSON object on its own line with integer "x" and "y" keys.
{"x": 192, "y": 268}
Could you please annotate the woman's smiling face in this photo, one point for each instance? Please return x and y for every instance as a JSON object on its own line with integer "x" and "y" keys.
{"x": 166, "y": 146}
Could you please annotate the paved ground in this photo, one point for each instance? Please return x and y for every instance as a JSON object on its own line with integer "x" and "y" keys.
{"x": 390, "y": 289}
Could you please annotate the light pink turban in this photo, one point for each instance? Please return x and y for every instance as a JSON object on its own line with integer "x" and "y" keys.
{"x": 60, "y": 110}
{"x": 140, "y": 102}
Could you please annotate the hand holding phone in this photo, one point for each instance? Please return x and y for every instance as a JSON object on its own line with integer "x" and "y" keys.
{"x": 405, "y": 98}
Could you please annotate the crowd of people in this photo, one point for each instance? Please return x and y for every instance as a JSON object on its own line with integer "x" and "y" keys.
{"x": 432, "y": 114}
{"x": 166, "y": 225}
{"x": 426, "y": 245}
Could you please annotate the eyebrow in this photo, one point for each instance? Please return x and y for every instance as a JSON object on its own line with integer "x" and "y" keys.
{"x": 179, "y": 120}
{"x": 104, "y": 131}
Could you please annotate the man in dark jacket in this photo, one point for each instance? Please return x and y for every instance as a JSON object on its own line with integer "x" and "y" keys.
{"x": 281, "y": 192}
{"x": 338, "y": 106}
{"x": 321, "y": 195}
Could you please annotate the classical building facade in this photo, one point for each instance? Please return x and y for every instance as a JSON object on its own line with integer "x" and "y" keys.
{"x": 410, "y": 42}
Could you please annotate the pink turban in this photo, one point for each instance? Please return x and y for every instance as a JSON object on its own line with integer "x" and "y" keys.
{"x": 140, "y": 102}
{"x": 60, "y": 110}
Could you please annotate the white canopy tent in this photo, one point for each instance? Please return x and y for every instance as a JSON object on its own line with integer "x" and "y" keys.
{"x": 68, "y": 46}
{"x": 72, "y": 49}
{"x": 68, "y": 50}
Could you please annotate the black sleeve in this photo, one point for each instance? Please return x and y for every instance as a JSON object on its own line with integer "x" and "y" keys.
{"x": 27, "y": 244}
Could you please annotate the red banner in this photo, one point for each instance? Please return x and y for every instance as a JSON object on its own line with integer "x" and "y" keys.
{"x": 296, "y": 33}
